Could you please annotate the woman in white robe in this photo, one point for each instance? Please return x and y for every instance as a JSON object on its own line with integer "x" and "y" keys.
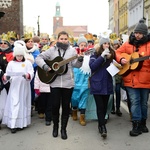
{"x": 19, "y": 72}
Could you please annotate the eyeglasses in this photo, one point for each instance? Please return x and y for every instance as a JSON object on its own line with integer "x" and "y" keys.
{"x": 3, "y": 43}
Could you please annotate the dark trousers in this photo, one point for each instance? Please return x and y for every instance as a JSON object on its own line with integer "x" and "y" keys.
{"x": 101, "y": 107}
{"x": 45, "y": 105}
{"x": 61, "y": 97}
{"x": 118, "y": 95}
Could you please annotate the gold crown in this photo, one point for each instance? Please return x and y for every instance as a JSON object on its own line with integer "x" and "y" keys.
{"x": 71, "y": 39}
{"x": 5, "y": 37}
{"x": 45, "y": 47}
{"x": 28, "y": 35}
{"x": 113, "y": 36}
{"x": 12, "y": 34}
{"x": 88, "y": 36}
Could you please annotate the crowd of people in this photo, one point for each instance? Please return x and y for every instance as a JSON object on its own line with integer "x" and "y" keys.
{"x": 47, "y": 74}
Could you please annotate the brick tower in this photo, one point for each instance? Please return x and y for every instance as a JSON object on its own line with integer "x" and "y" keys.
{"x": 13, "y": 18}
{"x": 57, "y": 19}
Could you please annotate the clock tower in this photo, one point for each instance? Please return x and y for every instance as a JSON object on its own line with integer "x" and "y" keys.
{"x": 57, "y": 19}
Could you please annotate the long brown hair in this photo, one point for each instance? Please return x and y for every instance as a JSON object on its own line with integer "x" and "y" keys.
{"x": 112, "y": 52}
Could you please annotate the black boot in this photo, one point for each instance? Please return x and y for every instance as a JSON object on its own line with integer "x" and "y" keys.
{"x": 143, "y": 126}
{"x": 55, "y": 126}
{"x": 136, "y": 128}
{"x": 118, "y": 112}
{"x": 103, "y": 131}
{"x": 64, "y": 122}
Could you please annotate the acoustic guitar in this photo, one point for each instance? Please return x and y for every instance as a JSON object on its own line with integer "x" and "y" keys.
{"x": 133, "y": 62}
{"x": 58, "y": 67}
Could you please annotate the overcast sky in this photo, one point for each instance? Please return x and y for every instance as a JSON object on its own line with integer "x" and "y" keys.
{"x": 93, "y": 13}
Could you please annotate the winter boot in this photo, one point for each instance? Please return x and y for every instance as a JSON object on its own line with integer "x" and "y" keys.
{"x": 55, "y": 126}
{"x": 74, "y": 114}
{"x": 64, "y": 122}
{"x": 118, "y": 112}
{"x": 82, "y": 120}
{"x": 103, "y": 131}
{"x": 143, "y": 126}
{"x": 136, "y": 128}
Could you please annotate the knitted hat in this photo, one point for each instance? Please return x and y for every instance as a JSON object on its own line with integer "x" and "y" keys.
{"x": 19, "y": 48}
{"x": 141, "y": 27}
{"x": 116, "y": 42}
{"x": 82, "y": 39}
{"x": 104, "y": 40}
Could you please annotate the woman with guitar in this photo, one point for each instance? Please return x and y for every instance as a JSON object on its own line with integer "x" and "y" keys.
{"x": 55, "y": 67}
{"x": 136, "y": 75}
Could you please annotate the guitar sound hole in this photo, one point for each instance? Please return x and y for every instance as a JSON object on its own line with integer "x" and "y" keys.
{"x": 55, "y": 66}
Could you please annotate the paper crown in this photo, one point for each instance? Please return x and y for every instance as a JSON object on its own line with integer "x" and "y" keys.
{"x": 71, "y": 39}
{"x": 27, "y": 35}
{"x": 113, "y": 36}
{"x": 5, "y": 37}
{"x": 45, "y": 47}
{"x": 12, "y": 34}
{"x": 88, "y": 36}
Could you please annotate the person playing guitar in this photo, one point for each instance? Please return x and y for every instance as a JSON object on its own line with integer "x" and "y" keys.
{"x": 137, "y": 80}
{"x": 62, "y": 85}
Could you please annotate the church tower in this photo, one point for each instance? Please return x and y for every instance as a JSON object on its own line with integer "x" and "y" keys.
{"x": 57, "y": 19}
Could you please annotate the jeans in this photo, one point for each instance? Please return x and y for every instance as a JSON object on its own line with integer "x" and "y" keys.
{"x": 138, "y": 98}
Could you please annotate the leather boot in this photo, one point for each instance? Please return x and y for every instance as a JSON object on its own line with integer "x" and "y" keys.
{"x": 118, "y": 112}
{"x": 55, "y": 126}
{"x": 103, "y": 131}
{"x": 143, "y": 126}
{"x": 136, "y": 128}
{"x": 64, "y": 122}
{"x": 82, "y": 120}
{"x": 74, "y": 114}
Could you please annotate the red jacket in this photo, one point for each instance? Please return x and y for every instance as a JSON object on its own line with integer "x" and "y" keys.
{"x": 136, "y": 78}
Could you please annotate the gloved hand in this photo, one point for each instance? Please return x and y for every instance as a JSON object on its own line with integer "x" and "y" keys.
{"x": 80, "y": 58}
{"x": 37, "y": 91}
{"x": 6, "y": 78}
{"x": 46, "y": 67}
{"x": 105, "y": 52}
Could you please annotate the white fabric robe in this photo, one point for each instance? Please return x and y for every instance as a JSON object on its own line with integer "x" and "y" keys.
{"x": 17, "y": 112}
{"x": 3, "y": 96}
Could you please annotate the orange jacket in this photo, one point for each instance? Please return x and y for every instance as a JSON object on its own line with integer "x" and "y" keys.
{"x": 136, "y": 78}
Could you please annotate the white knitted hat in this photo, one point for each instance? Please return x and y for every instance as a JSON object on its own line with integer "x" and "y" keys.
{"x": 19, "y": 48}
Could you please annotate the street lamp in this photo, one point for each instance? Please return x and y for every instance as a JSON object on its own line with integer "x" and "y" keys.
{"x": 38, "y": 23}
{"x": 5, "y": 3}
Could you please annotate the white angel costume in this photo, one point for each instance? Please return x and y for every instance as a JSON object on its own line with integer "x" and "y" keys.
{"x": 17, "y": 112}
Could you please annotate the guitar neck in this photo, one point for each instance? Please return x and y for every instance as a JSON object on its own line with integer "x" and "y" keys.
{"x": 140, "y": 59}
{"x": 64, "y": 62}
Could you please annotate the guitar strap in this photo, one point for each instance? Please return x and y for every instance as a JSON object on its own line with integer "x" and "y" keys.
{"x": 60, "y": 53}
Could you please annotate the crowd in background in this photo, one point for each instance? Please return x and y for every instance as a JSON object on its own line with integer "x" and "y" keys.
{"x": 25, "y": 61}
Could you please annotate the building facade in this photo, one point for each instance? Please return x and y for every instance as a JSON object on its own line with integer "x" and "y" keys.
{"x": 58, "y": 26}
{"x": 13, "y": 18}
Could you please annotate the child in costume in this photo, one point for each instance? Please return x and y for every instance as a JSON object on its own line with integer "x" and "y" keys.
{"x": 19, "y": 72}
{"x": 81, "y": 90}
